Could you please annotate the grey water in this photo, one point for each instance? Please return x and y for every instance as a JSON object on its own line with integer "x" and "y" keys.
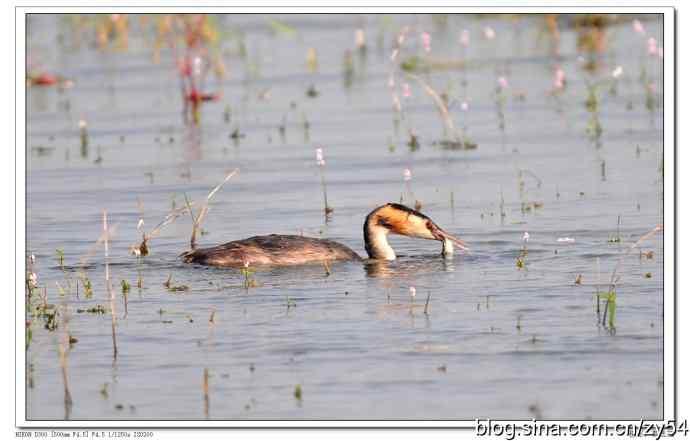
{"x": 497, "y": 340}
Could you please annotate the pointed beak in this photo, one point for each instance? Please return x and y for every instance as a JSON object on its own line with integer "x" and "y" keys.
{"x": 441, "y": 235}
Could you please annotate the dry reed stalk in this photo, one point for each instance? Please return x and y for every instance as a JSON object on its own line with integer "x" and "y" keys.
{"x": 440, "y": 106}
{"x": 652, "y": 232}
{"x": 63, "y": 367}
{"x": 205, "y": 389}
{"x": 204, "y": 208}
{"x": 108, "y": 284}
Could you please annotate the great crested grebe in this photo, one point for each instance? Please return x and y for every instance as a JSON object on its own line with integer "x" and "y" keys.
{"x": 277, "y": 249}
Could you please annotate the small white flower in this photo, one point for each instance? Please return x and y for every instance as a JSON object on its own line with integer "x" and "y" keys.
{"x": 197, "y": 64}
{"x": 617, "y": 72}
{"x": 407, "y": 174}
{"x": 465, "y": 106}
{"x": 319, "y": 155}
{"x": 489, "y": 33}
{"x": 246, "y": 264}
{"x": 136, "y": 251}
{"x": 82, "y": 124}
{"x": 394, "y": 55}
{"x": 413, "y": 291}
{"x": 525, "y": 237}
{"x": 140, "y": 225}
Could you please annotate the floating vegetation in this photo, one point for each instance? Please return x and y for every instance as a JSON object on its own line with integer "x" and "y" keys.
{"x": 312, "y": 92}
{"x": 61, "y": 258}
{"x": 617, "y": 237}
{"x": 174, "y": 288}
{"x": 98, "y": 309}
{"x": 291, "y": 303}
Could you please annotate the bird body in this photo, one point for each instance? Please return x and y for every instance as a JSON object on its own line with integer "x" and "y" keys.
{"x": 281, "y": 250}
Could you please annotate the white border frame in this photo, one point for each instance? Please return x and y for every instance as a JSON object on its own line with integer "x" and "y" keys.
{"x": 669, "y": 387}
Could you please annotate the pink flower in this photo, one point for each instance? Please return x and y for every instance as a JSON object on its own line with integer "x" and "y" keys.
{"x": 406, "y": 90}
{"x": 407, "y": 174}
{"x": 503, "y": 82}
{"x": 639, "y": 28}
{"x": 426, "y": 39}
{"x": 360, "y": 40}
{"x": 391, "y": 82}
{"x": 489, "y": 33}
{"x": 652, "y": 48}
{"x": 465, "y": 38}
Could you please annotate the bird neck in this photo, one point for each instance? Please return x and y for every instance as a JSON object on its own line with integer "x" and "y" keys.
{"x": 376, "y": 241}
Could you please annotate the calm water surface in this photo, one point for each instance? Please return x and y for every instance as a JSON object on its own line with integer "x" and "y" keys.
{"x": 498, "y": 341}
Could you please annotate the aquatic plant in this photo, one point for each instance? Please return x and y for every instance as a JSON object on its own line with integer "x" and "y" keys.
{"x": 108, "y": 285}
{"x": 500, "y": 97}
{"x": 322, "y": 172}
{"x": 348, "y": 69}
{"x": 413, "y": 294}
{"x": 207, "y": 401}
{"x": 610, "y": 295}
{"x": 61, "y": 258}
{"x": 520, "y": 262}
{"x": 84, "y": 138}
{"x": 247, "y": 272}
{"x": 174, "y": 288}
{"x": 426, "y": 304}
{"x": 407, "y": 179}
